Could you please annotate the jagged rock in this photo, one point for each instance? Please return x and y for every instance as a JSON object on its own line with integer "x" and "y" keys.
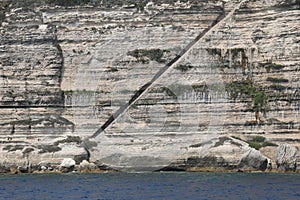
{"x": 84, "y": 163}
{"x": 23, "y": 169}
{"x": 253, "y": 160}
{"x": 79, "y": 158}
{"x": 13, "y": 170}
{"x": 4, "y": 169}
{"x": 286, "y": 159}
{"x": 218, "y": 154}
{"x": 86, "y": 166}
{"x": 68, "y": 163}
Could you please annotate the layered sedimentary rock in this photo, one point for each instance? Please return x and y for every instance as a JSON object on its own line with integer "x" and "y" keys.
{"x": 66, "y": 71}
{"x": 286, "y": 158}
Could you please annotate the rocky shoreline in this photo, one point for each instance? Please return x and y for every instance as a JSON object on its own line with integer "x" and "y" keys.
{"x": 252, "y": 161}
{"x": 92, "y": 168}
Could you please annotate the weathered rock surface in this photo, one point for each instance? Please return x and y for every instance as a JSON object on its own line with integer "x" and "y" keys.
{"x": 253, "y": 160}
{"x": 220, "y": 154}
{"x": 64, "y": 71}
{"x": 68, "y": 163}
{"x": 286, "y": 159}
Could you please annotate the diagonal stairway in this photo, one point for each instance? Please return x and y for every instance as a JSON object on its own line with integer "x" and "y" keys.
{"x": 215, "y": 25}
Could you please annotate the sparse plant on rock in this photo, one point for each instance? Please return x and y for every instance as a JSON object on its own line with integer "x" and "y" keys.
{"x": 246, "y": 89}
{"x": 151, "y": 54}
{"x": 183, "y": 68}
{"x": 258, "y": 142}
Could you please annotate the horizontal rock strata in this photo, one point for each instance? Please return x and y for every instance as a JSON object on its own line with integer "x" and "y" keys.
{"x": 66, "y": 69}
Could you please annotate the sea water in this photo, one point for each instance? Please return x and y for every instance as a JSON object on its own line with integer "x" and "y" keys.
{"x": 177, "y": 185}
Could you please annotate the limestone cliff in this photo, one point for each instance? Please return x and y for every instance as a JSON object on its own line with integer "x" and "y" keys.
{"x": 140, "y": 85}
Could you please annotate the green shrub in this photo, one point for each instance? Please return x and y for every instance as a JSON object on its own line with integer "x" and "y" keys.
{"x": 258, "y": 138}
{"x": 259, "y": 141}
{"x": 259, "y": 100}
{"x": 255, "y": 145}
{"x": 240, "y": 89}
{"x": 269, "y": 144}
{"x": 141, "y": 6}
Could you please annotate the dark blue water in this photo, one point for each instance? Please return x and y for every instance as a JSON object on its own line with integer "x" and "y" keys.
{"x": 151, "y": 186}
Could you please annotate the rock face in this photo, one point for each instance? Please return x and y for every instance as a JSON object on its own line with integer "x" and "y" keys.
{"x": 286, "y": 158}
{"x": 253, "y": 160}
{"x": 183, "y": 85}
{"x": 220, "y": 154}
{"x": 68, "y": 163}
